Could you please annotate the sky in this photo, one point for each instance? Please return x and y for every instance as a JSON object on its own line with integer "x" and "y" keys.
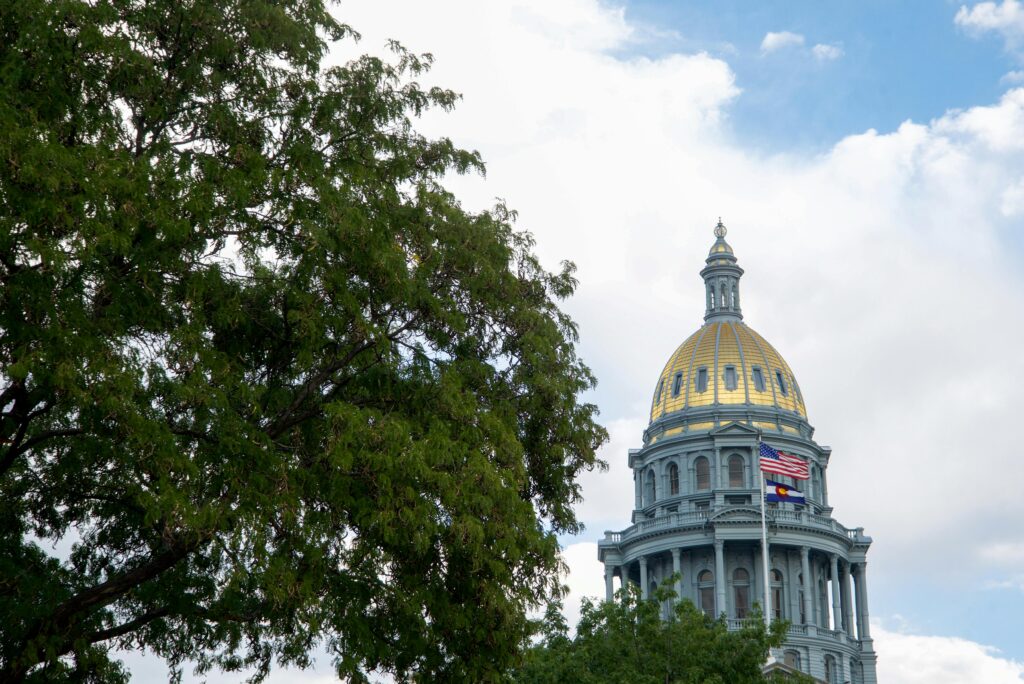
{"x": 868, "y": 161}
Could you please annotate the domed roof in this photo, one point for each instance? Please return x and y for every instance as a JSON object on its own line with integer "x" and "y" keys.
{"x": 726, "y": 362}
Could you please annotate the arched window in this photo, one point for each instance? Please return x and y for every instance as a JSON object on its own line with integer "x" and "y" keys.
{"x": 831, "y": 676}
{"x": 703, "y": 471}
{"x": 856, "y": 672}
{"x": 654, "y": 589}
{"x": 649, "y": 487}
{"x": 673, "y": 479}
{"x": 776, "y": 587}
{"x": 741, "y": 592}
{"x": 706, "y": 589}
{"x": 736, "y": 471}
{"x": 792, "y": 659}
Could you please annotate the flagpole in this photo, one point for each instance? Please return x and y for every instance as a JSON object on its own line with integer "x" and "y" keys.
{"x": 765, "y": 559}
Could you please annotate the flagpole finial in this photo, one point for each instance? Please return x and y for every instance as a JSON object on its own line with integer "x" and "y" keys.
{"x": 720, "y": 230}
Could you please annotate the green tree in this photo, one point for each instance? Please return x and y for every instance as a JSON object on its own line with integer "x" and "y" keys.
{"x": 628, "y": 641}
{"x": 280, "y": 390}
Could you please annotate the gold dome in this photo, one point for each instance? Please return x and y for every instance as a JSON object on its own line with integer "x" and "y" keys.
{"x": 726, "y": 362}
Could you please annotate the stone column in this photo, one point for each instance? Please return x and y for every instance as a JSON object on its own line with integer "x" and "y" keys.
{"x": 860, "y": 579}
{"x": 638, "y": 485}
{"x": 643, "y": 577}
{"x": 720, "y": 576}
{"x": 837, "y": 609}
{"x": 689, "y": 577}
{"x": 678, "y": 570}
{"x": 758, "y": 583}
{"x": 805, "y": 564}
{"x": 609, "y": 577}
{"x": 716, "y": 462}
{"x": 824, "y": 488}
{"x": 847, "y": 596}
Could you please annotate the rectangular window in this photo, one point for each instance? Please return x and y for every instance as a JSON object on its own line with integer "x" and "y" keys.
{"x": 677, "y": 384}
{"x": 730, "y": 377}
{"x": 781, "y": 381}
{"x": 742, "y": 601}
{"x": 707, "y": 601}
{"x": 702, "y": 379}
{"x": 758, "y": 380}
{"x": 737, "y": 500}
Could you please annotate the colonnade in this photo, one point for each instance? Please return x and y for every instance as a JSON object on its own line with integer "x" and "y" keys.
{"x": 849, "y": 606}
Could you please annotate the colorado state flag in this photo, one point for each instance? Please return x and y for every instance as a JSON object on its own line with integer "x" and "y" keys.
{"x": 778, "y": 492}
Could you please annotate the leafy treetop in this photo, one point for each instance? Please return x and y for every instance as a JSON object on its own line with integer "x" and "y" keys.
{"x": 275, "y": 384}
{"x": 636, "y": 641}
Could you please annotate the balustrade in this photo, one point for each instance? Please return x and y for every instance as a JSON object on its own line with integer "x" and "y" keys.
{"x": 692, "y": 518}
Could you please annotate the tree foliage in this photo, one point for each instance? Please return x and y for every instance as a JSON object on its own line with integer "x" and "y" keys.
{"x": 629, "y": 641}
{"x": 276, "y": 388}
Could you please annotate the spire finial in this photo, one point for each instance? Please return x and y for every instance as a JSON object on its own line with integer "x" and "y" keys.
{"x": 720, "y": 230}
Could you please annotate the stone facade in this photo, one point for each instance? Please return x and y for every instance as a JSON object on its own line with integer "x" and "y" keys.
{"x": 697, "y": 487}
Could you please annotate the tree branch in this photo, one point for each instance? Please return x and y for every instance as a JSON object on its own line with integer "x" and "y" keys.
{"x": 65, "y": 620}
{"x": 128, "y": 627}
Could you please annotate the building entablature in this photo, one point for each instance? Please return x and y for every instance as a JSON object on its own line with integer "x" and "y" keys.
{"x": 838, "y": 641}
{"x": 735, "y": 523}
{"x": 701, "y": 420}
{"x": 730, "y": 434}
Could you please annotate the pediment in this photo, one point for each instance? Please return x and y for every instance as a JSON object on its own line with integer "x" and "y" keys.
{"x": 736, "y": 513}
{"x": 734, "y": 429}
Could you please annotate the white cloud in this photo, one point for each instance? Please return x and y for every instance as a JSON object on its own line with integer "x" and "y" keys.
{"x": 1005, "y": 18}
{"x": 610, "y": 493}
{"x": 585, "y": 578}
{"x": 824, "y": 52}
{"x": 1013, "y": 77}
{"x": 778, "y": 40}
{"x": 878, "y": 268}
{"x": 1013, "y": 582}
{"x": 903, "y": 657}
{"x": 1004, "y": 553}
{"x": 913, "y": 659}
{"x": 1012, "y": 201}
{"x": 883, "y": 269}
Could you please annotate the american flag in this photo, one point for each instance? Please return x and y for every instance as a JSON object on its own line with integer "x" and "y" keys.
{"x": 781, "y": 463}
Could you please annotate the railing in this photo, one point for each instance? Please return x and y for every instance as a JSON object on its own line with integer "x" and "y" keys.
{"x": 696, "y": 518}
{"x": 736, "y": 624}
{"x": 833, "y": 634}
{"x": 670, "y": 521}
